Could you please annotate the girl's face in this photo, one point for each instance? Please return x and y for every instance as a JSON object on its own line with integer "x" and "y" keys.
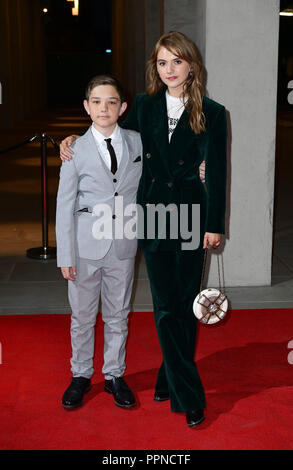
{"x": 172, "y": 70}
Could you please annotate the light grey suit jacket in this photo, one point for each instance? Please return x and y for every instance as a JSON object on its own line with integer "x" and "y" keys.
{"x": 85, "y": 181}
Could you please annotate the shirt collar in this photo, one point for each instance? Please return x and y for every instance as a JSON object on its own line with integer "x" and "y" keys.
{"x": 116, "y": 134}
{"x": 174, "y": 99}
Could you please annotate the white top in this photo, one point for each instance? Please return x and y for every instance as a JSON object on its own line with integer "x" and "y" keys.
{"x": 102, "y": 145}
{"x": 175, "y": 107}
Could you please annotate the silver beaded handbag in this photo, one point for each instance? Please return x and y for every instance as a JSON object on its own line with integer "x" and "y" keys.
{"x": 210, "y": 305}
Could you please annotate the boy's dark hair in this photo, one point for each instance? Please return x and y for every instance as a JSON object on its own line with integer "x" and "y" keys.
{"x": 105, "y": 80}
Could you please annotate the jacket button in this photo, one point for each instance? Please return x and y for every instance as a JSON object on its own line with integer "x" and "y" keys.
{"x": 170, "y": 184}
{"x": 116, "y": 194}
{"x": 181, "y": 162}
{"x": 148, "y": 155}
{"x": 114, "y": 180}
{"x": 114, "y": 216}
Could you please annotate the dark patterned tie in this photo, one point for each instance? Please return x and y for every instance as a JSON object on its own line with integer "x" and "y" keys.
{"x": 112, "y": 155}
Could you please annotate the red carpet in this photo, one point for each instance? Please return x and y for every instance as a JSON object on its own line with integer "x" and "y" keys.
{"x": 243, "y": 365}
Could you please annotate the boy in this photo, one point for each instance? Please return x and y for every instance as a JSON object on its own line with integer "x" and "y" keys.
{"x": 106, "y": 164}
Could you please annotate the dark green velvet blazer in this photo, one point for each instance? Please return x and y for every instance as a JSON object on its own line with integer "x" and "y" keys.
{"x": 171, "y": 170}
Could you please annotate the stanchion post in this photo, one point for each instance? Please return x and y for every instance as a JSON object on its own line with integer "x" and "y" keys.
{"x": 44, "y": 191}
{"x": 43, "y": 252}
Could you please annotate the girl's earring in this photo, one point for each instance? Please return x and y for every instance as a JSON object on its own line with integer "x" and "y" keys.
{"x": 189, "y": 74}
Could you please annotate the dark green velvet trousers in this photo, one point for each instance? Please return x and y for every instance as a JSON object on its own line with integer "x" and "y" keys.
{"x": 175, "y": 281}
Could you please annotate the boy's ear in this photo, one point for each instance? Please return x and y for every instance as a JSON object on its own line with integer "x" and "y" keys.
{"x": 86, "y": 106}
{"x": 123, "y": 108}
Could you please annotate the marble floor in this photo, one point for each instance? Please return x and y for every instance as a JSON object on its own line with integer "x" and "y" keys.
{"x": 29, "y": 286}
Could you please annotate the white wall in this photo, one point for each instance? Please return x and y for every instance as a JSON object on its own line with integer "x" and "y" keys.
{"x": 241, "y": 60}
{"x": 240, "y": 51}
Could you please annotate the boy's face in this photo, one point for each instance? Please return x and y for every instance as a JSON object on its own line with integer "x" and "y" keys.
{"x": 104, "y": 107}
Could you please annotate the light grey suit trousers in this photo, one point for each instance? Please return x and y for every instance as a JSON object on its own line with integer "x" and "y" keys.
{"x": 112, "y": 279}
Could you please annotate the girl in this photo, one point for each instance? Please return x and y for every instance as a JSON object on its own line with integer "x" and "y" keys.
{"x": 179, "y": 127}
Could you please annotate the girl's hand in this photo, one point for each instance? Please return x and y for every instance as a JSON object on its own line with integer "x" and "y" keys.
{"x": 69, "y": 273}
{"x": 212, "y": 240}
{"x": 65, "y": 151}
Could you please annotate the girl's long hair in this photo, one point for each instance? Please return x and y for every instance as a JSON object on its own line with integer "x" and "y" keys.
{"x": 181, "y": 46}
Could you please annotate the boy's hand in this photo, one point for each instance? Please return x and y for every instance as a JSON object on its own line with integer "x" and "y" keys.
{"x": 202, "y": 171}
{"x": 69, "y": 273}
{"x": 211, "y": 240}
{"x": 65, "y": 150}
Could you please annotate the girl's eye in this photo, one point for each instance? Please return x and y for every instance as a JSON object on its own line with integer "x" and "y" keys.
{"x": 178, "y": 61}
{"x": 161, "y": 64}
{"x": 112, "y": 102}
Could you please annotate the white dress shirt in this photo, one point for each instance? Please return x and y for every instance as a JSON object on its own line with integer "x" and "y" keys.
{"x": 116, "y": 141}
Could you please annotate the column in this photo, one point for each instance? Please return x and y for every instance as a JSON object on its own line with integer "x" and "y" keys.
{"x": 241, "y": 58}
{"x": 238, "y": 41}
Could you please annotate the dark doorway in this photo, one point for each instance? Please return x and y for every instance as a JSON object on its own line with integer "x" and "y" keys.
{"x": 76, "y": 47}
{"x": 283, "y": 212}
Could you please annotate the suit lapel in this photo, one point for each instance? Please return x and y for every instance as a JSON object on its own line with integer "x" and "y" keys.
{"x": 126, "y": 151}
{"x": 182, "y": 138}
{"x": 92, "y": 150}
{"x": 160, "y": 128}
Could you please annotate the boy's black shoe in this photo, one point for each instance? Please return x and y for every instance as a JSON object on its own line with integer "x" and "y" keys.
{"x": 123, "y": 396}
{"x": 73, "y": 396}
{"x": 194, "y": 418}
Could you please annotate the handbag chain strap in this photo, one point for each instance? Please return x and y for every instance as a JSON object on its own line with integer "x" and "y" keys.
{"x": 203, "y": 272}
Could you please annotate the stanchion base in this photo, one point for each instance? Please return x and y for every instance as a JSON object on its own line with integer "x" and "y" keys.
{"x": 42, "y": 252}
